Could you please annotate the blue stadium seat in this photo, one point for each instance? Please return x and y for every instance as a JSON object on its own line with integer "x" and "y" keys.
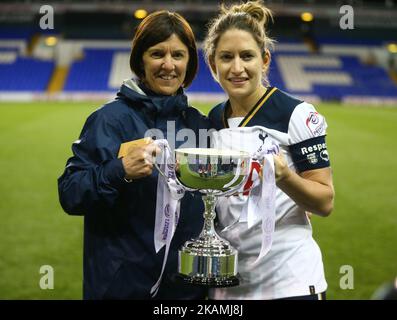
{"x": 25, "y": 74}
{"x": 92, "y": 73}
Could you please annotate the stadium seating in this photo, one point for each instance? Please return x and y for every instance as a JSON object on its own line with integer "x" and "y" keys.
{"x": 329, "y": 74}
{"x": 23, "y": 73}
{"x": 91, "y": 73}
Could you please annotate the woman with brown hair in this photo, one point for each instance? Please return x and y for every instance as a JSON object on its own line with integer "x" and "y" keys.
{"x": 117, "y": 195}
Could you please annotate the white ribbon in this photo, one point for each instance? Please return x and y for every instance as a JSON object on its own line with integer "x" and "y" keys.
{"x": 260, "y": 205}
{"x": 169, "y": 193}
{"x": 262, "y": 198}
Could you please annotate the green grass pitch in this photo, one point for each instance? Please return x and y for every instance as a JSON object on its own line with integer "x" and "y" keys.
{"x": 35, "y": 141}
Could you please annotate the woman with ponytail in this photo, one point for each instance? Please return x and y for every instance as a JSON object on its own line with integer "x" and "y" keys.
{"x": 237, "y": 49}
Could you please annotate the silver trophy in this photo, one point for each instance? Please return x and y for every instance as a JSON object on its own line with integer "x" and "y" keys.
{"x": 210, "y": 260}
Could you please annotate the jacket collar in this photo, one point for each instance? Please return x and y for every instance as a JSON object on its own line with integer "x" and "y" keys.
{"x": 157, "y": 104}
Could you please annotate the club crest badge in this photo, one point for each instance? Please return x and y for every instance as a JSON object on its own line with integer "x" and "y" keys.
{"x": 312, "y": 158}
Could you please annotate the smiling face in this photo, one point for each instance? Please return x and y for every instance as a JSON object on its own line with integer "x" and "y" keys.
{"x": 165, "y": 65}
{"x": 239, "y": 66}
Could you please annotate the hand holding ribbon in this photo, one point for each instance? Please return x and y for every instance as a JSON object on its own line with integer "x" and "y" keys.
{"x": 169, "y": 193}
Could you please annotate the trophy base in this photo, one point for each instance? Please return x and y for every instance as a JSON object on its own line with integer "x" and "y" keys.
{"x": 208, "y": 263}
{"x": 221, "y": 282}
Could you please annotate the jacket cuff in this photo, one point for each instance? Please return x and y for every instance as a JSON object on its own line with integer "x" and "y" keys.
{"x": 114, "y": 173}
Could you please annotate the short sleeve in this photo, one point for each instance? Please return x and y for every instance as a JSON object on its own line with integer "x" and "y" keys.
{"x": 307, "y": 132}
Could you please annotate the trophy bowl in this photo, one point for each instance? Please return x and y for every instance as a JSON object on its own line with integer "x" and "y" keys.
{"x": 210, "y": 260}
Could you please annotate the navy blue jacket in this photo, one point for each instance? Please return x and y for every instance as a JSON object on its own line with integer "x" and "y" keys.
{"x": 120, "y": 261}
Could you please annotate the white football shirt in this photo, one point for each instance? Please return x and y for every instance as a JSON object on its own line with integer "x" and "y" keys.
{"x": 293, "y": 266}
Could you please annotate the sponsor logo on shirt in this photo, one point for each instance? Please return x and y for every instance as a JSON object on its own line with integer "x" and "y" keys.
{"x": 315, "y": 123}
{"x": 255, "y": 170}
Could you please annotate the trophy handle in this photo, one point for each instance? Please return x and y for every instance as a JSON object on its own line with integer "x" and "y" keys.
{"x": 231, "y": 192}
{"x": 164, "y": 148}
{"x": 173, "y": 160}
{"x": 236, "y": 176}
{"x": 158, "y": 167}
{"x": 243, "y": 183}
{"x": 159, "y": 170}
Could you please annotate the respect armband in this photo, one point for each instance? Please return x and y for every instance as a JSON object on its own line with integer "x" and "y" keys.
{"x": 310, "y": 154}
